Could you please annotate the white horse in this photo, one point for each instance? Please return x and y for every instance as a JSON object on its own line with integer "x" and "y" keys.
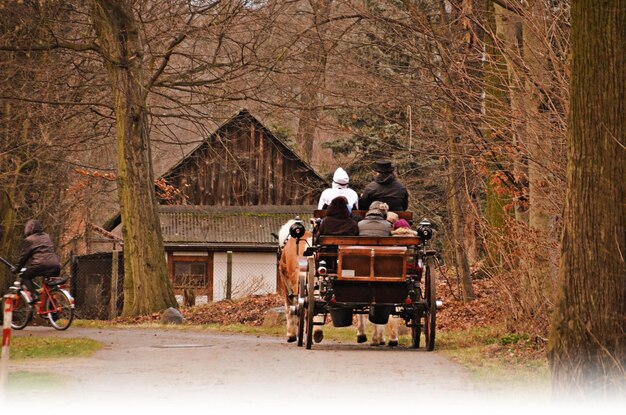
{"x": 288, "y": 272}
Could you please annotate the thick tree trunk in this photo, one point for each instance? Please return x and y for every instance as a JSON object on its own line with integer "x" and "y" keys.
{"x": 587, "y": 347}
{"x": 456, "y": 211}
{"x": 8, "y": 238}
{"x": 146, "y": 283}
{"x": 10, "y": 195}
{"x": 455, "y": 189}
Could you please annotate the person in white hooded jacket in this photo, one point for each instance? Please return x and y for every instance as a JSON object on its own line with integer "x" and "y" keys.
{"x": 339, "y": 188}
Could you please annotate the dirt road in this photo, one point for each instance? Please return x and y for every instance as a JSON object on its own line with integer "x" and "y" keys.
{"x": 169, "y": 369}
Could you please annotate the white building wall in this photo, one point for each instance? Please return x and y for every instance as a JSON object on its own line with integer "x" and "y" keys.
{"x": 253, "y": 273}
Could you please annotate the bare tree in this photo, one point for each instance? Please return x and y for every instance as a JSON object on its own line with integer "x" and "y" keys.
{"x": 155, "y": 56}
{"x": 146, "y": 282}
{"x": 39, "y": 139}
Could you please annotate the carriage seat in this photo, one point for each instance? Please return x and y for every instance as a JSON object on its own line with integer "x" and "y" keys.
{"x": 346, "y": 255}
{"x": 406, "y": 215}
{"x": 325, "y": 240}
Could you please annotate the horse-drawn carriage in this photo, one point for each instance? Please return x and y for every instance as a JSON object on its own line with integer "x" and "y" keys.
{"x": 343, "y": 276}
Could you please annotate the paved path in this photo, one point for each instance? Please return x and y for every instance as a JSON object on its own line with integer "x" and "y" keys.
{"x": 166, "y": 370}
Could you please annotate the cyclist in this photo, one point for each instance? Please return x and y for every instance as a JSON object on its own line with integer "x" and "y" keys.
{"x": 37, "y": 256}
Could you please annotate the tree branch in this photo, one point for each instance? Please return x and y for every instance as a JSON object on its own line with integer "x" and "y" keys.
{"x": 48, "y": 102}
{"x": 175, "y": 42}
{"x": 78, "y": 47}
{"x": 166, "y": 58}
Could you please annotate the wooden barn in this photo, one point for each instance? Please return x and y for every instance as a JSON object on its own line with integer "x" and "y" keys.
{"x": 244, "y": 164}
{"x": 236, "y": 189}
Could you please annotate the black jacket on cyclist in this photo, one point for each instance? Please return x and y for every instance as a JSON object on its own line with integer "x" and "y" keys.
{"x": 37, "y": 255}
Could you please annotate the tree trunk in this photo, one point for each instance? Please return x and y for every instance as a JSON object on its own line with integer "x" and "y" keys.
{"x": 540, "y": 150}
{"x": 456, "y": 180}
{"x": 146, "y": 283}
{"x": 310, "y": 97}
{"x": 498, "y": 133}
{"x": 457, "y": 217}
{"x": 587, "y": 347}
{"x": 509, "y": 31}
{"x": 10, "y": 195}
{"x": 8, "y": 237}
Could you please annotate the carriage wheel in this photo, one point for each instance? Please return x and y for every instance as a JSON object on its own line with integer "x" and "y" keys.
{"x": 300, "y": 307}
{"x": 431, "y": 311}
{"x": 310, "y": 303}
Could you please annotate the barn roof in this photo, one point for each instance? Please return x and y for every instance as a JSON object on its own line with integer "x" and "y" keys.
{"x": 244, "y": 116}
{"x": 219, "y": 226}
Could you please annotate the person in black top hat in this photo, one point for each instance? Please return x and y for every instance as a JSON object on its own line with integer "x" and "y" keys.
{"x": 385, "y": 188}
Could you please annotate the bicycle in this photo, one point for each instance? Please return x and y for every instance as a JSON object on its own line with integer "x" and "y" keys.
{"x": 55, "y": 302}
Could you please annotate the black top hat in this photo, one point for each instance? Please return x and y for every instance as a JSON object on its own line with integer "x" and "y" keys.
{"x": 383, "y": 166}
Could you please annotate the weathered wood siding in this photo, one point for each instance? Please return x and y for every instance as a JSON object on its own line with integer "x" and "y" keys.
{"x": 243, "y": 164}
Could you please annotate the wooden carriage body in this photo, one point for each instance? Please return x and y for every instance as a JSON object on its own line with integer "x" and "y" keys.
{"x": 370, "y": 270}
{"x": 366, "y": 269}
{"x": 380, "y": 276}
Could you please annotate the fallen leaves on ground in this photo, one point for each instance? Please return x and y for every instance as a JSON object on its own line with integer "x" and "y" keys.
{"x": 453, "y": 315}
{"x": 250, "y": 310}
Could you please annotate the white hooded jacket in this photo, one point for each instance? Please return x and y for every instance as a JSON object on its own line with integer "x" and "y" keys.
{"x": 339, "y": 188}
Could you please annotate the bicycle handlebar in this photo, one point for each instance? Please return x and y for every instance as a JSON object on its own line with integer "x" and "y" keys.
{"x": 7, "y": 263}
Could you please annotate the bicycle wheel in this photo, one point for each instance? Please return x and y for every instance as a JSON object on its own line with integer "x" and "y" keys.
{"x": 58, "y": 308}
{"x": 22, "y": 312}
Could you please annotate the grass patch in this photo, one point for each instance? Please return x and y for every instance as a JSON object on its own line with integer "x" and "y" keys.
{"x": 33, "y": 383}
{"x": 51, "y": 347}
{"x": 95, "y": 324}
{"x": 273, "y": 331}
{"x": 497, "y": 359}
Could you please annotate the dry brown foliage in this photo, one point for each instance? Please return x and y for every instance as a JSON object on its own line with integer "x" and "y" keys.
{"x": 453, "y": 315}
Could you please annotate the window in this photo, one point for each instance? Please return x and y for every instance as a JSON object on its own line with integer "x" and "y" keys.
{"x": 192, "y": 272}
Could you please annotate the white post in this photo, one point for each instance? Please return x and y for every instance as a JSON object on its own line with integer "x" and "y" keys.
{"x": 6, "y": 342}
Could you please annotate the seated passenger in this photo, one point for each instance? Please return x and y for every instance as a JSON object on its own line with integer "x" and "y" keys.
{"x": 392, "y": 217}
{"x": 339, "y": 223}
{"x": 375, "y": 222}
{"x": 402, "y": 228}
{"x": 339, "y": 188}
{"x": 338, "y": 220}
